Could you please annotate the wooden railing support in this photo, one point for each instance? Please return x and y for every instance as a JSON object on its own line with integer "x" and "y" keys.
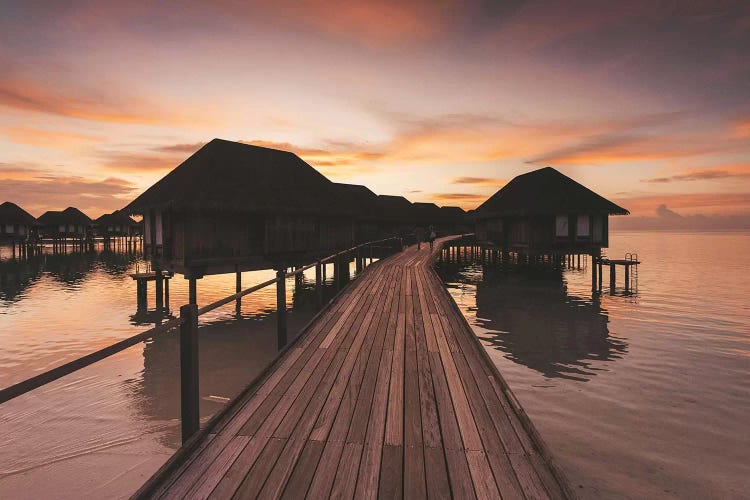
{"x": 319, "y": 284}
{"x": 281, "y": 308}
{"x": 593, "y": 273}
{"x": 189, "y": 396}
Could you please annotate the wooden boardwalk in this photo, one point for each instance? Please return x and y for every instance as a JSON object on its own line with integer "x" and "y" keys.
{"x": 386, "y": 394}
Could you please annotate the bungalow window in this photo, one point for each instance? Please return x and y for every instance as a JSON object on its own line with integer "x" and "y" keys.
{"x": 9, "y": 229}
{"x": 61, "y": 228}
{"x": 109, "y": 229}
{"x": 583, "y": 229}
{"x": 561, "y": 226}
{"x": 71, "y": 229}
{"x": 22, "y": 230}
{"x": 158, "y": 229}
{"x": 80, "y": 229}
{"x": 598, "y": 229}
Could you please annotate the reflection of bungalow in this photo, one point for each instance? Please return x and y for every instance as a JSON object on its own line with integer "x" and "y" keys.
{"x": 116, "y": 224}
{"x": 533, "y": 320}
{"x": 68, "y": 223}
{"x": 546, "y": 212}
{"x": 15, "y": 222}
{"x": 235, "y": 206}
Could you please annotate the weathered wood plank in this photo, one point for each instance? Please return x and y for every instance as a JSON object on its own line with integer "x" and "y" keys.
{"x": 389, "y": 394}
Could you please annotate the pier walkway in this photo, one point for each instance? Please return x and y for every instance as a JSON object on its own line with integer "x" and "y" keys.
{"x": 386, "y": 394}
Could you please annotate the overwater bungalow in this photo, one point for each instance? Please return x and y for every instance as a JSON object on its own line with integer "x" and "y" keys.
{"x": 453, "y": 220}
{"x": 365, "y": 204}
{"x": 16, "y": 224}
{"x": 70, "y": 223}
{"x": 426, "y": 214}
{"x": 394, "y": 215}
{"x": 546, "y": 213}
{"x": 116, "y": 224}
{"x": 234, "y": 207}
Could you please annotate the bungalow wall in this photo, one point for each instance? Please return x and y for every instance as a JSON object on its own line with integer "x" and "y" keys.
{"x": 18, "y": 232}
{"x": 571, "y": 232}
{"x": 64, "y": 230}
{"x": 180, "y": 237}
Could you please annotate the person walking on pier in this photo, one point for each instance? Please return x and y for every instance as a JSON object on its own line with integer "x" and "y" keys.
{"x": 419, "y": 235}
{"x": 432, "y": 235}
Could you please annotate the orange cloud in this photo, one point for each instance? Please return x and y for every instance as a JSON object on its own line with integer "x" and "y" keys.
{"x": 741, "y": 129}
{"x": 48, "y": 138}
{"x": 88, "y": 104}
{"x": 723, "y": 172}
{"x": 466, "y": 201}
{"x": 379, "y": 23}
{"x": 480, "y": 181}
{"x": 694, "y": 203}
{"x": 53, "y": 192}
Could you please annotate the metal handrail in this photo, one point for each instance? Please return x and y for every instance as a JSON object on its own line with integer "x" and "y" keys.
{"x": 42, "y": 379}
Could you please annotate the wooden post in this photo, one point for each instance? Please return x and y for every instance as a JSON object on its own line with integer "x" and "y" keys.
{"x": 593, "y": 273}
{"x": 627, "y": 277}
{"x": 166, "y": 294}
{"x": 601, "y": 272}
{"x": 192, "y": 291}
{"x": 238, "y": 289}
{"x": 612, "y": 268}
{"x": 319, "y": 284}
{"x": 281, "y": 308}
{"x": 189, "y": 393}
{"x": 159, "y": 288}
{"x": 141, "y": 294}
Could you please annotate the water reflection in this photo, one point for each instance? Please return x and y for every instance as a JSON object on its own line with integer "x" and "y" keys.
{"x": 529, "y": 315}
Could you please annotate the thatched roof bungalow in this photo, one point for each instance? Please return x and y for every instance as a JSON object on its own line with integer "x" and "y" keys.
{"x": 543, "y": 212}
{"x": 233, "y": 204}
{"x": 365, "y": 205}
{"x": 15, "y": 222}
{"x": 68, "y": 223}
{"x": 454, "y": 220}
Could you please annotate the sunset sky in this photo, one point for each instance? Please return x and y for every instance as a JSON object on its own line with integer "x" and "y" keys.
{"x": 647, "y": 103}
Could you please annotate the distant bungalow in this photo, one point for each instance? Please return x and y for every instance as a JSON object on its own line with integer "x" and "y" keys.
{"x": 544, "y": 213}
{"x": 116, "y": 224}
{"x": 233, "y": 206}
{"x": 16, "y": 223}
{"x": 68, "y": 223}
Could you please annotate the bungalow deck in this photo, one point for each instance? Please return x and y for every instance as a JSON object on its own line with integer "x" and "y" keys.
{"x": 387, "y": 393}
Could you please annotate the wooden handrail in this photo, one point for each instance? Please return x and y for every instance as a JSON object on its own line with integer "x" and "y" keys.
{"x": 37, "y": 381}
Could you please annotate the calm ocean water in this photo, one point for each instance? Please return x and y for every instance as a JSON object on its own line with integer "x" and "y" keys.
{"x": 637, "y": 396}
{"x": 102, "y": 431}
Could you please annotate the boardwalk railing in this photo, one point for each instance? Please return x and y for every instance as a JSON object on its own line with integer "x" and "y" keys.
{"x": 188, "y": 324}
